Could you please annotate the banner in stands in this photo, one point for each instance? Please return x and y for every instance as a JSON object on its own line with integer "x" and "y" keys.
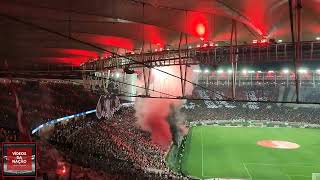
{"x": 107, "y": 106}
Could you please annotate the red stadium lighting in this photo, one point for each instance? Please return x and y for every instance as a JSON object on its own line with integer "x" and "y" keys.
{"x": 200, "y": 29}
{"x": 264, "y": 41}
{"x": 254, "y": 41}
{"x": 205, "y": 45}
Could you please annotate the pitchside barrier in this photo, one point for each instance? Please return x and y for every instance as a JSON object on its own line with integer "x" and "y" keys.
{"x": 174, "y": 156}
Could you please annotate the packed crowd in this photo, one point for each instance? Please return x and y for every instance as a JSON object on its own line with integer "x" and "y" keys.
{"x": 43, "y": 101}
{"x": 116, "y": 146}
{"x": 229, "y": 110}
{"x": 8, "y": 135}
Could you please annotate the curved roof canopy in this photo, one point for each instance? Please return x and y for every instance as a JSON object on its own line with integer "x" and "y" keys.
{"x": 128, "y": 25}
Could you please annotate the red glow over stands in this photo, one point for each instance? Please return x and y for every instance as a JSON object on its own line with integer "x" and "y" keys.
{"x": 75, "y": 52}
{"x": 119, "y": 42}
{"x": 198, "y": 25}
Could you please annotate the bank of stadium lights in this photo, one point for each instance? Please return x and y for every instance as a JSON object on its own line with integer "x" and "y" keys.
{"x": 286, "y": 71}
{"x": 280, "y": 41}
{"x": 302, "y": 71}
{"x": 198, "y": 45}
{"x": 206, "y": 71}
{"x": 220, "y": 71}
{"x": 251, "y": 72}
{"x": 318, "y": 71}
{"x": 190, "y": 47}
{"x": 197, "y": 70}
{"x": 318, "y": 38}
{"x": 117, "y": 75}
{"x": 259, "y": 72}
{"x": 216, "y": 44}
{"x": 244, "y": 71}
{"x": 229, "y": 71}
{"x": 270, "y": 71}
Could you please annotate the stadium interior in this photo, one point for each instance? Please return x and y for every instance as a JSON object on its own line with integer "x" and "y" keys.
{"x": 162, "y": 89}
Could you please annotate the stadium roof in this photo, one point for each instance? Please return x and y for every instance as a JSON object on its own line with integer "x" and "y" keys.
{"x": 125, "y": 25}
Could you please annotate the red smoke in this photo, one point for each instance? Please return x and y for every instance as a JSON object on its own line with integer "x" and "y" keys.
{"x": 152, "y": 113}
{"x": 152, "y": 117}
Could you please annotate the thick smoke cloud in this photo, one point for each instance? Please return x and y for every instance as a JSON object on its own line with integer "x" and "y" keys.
{"x": 152, "y": 113}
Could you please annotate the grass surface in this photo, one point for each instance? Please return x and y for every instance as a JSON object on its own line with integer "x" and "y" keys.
{"x": 222, "y": 152}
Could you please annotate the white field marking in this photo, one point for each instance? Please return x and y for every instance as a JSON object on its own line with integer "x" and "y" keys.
{"x": 247, "y": 170}
{"x": 289, "y": 164}
{"x": 292, "y": 164}
{"x": 201, "y": 153}
{"x": 293, "y": 175}
{"x": 288, "y": 176}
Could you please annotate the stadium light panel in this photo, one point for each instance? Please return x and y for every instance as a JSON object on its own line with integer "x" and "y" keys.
{"x": 206, "y": 71}
{"x": 318, "y": 38}
{"x": 259, "y": 71}
{"x": 318, "y": 70}
{"x": 230, "y": 71}
{"x": 251, "y": 72}
{"x": 220, "y": 71}
{"x": 264, "y": 41}
{"x": 198, "y": 45}
{"x": 244, "y": 71}
{"x": 201, "y": 29}
{"x": 197, "y": 70}
{"x": 279, "y": 41}
{"x": 271, "y": 71}
{"x": 302, "y": 71}
{"x": 190, "y": 47}
{"x": 254, "y": 41}
{"x": 286, "y": 71}
{"x": 216, "y": 44}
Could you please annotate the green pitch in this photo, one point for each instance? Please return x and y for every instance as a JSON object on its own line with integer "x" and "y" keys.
{"x": 222, "y": 152}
